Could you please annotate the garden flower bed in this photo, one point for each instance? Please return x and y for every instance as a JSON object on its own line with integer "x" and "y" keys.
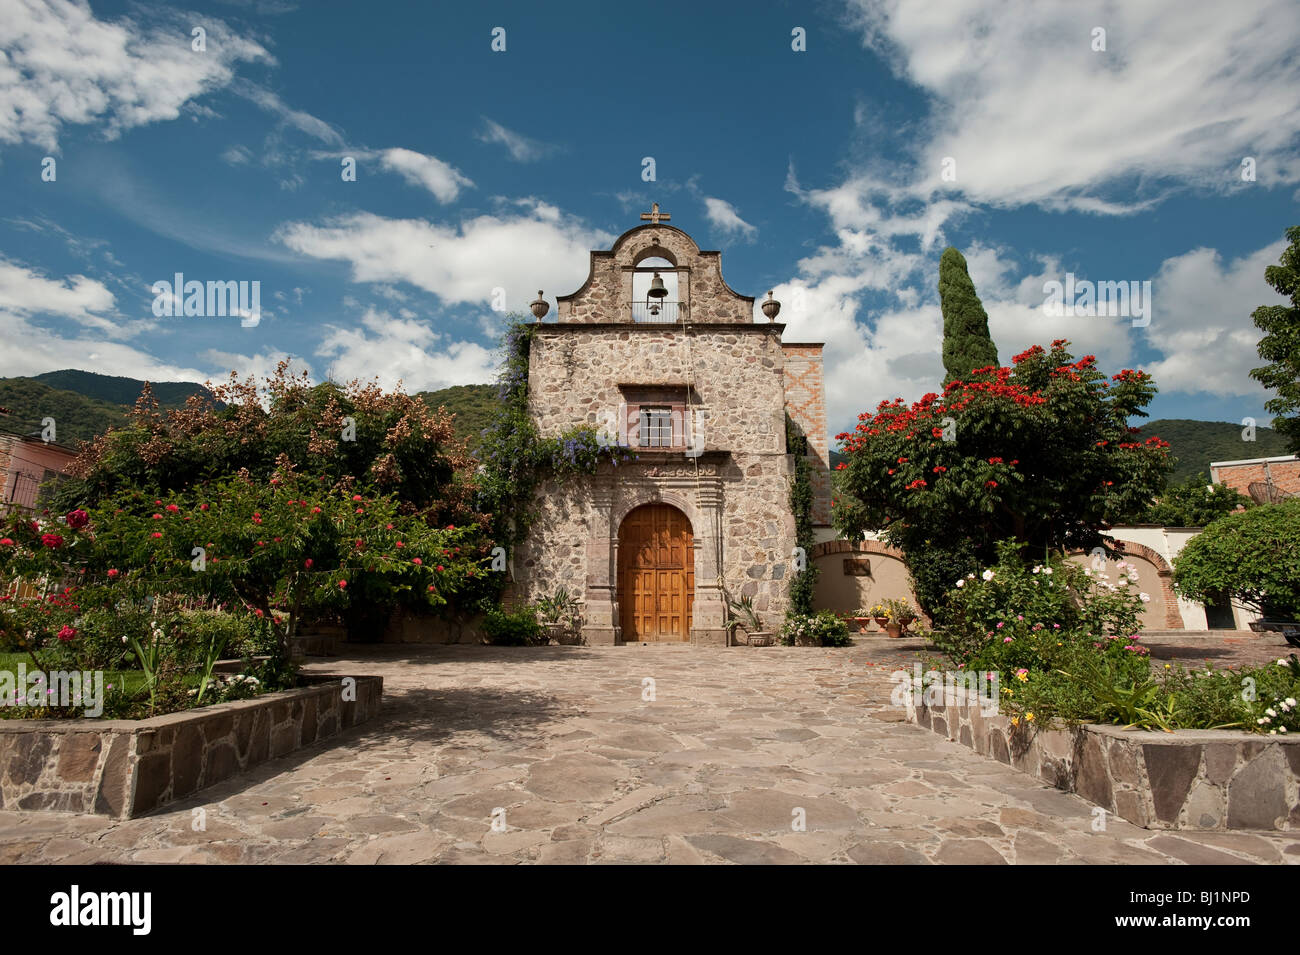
{"x": 126, "y": 768}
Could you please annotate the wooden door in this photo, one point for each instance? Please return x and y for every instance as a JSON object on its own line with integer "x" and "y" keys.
{"x": 656, "y": 575}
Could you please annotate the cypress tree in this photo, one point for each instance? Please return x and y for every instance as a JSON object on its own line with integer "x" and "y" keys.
{"x": 966, "y": 341}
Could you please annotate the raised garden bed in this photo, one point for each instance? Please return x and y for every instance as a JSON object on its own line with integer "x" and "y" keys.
{"x": 1187, "y": 779}
{"x": 126, "y": 768}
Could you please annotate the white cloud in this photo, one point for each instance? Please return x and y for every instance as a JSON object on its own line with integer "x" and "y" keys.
{"x": 722, "y": 215}
{"x": 403, "y": 349}
{"x": 1201, "y": 321}
{"x": 62, "y": 66}
{"x": 521, "y": 148}
{"x": 1032, "y": 114}
{"x": 84, "y": 300}
{"x": 459, "y": 264}
{"x": 428, "y": 172}
{"x": 260, "y": 365}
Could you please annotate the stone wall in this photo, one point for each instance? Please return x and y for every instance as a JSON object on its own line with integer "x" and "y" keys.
{"x": 854, "y": 575}
{"x": 126, "y": 768}
{"x": 704, "y": 295}
{"x": 1188, "y": 779}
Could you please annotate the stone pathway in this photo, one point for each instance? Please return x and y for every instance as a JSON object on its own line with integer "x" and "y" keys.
{"x": 580, "y": 765}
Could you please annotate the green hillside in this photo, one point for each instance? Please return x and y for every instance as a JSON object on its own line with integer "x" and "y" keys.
{"x": 1194, "y": 444}
{"x": 472, "y": 405}
{"x": 118, "y": 390}
{"x": 76, "y": 417}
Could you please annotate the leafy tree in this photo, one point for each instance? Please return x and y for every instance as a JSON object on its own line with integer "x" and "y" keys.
{"x": 1252, "y": 557}
{"x": 1281, "y": 343}
{"x": 802, "y": 582}
{"x": 1040, "y": 452}
{"x": 966, "y": 341}
{"x": 1195, "y": 503}
{"x": 344, "y": 434}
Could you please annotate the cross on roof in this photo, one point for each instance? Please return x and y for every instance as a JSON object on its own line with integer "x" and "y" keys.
{"x": 654, "y": 215}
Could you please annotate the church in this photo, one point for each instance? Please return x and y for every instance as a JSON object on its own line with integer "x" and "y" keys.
{"x": 657, "y": 352}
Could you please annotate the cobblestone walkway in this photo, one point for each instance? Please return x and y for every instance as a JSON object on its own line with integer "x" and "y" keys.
{"x": 735, "y": 745}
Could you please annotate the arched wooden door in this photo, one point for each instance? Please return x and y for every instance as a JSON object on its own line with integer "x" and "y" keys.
{"x": 656, "y": 574}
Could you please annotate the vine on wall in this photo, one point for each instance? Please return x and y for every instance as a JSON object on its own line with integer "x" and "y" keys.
{"x": 515, "y": 459}
{"x": 802, "y": 582}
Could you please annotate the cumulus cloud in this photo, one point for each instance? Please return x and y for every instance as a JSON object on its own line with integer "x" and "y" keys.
{"x": 62, "y": 66}
{"x": 1180, "y": 94}
{"x": 403, "y": 349}
{"x": 1201, "y": 320}
{"x": 88, "y": 302}
{"x": 462, "y": 263}
{"x": 722, "y": 215}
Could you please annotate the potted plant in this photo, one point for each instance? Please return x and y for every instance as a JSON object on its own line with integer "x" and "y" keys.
{"x": 900, "y": 615}
{"x": 560, "y": 616}
{"x": 743, "y": 617}
{"x": 860, "y": 617}
{"x": 880, "y": 613}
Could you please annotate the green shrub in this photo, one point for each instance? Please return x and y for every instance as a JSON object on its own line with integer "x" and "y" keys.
{"x": 1252, "y": 556}
{"x": 517, "y": 628}
{"x": 828, "y": 628}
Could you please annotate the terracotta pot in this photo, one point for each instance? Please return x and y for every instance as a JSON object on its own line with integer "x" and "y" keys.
{"x": 762, "y": 638}
{"x": 882, "y": 622}
{"x": 894, "y": 630}
{"x": 861, "y": 623}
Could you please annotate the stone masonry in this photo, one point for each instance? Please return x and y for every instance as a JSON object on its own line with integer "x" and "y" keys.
{"x": 733, "y": 380}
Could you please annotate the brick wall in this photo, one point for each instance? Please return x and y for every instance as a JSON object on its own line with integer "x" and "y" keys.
{"x": 1284, "y": 474}
{"x": 805, "y": 402}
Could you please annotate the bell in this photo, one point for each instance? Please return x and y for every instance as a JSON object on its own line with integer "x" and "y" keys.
{"x": 657, "y": 289}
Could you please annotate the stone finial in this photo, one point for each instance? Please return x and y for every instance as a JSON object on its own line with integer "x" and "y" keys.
{"x": 771, "y": 307}
{"x": 541, "y": 306}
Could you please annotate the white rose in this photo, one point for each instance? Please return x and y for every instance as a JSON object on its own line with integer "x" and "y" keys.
{"x": 987, "y": 575}
{"x": 1145, "y": 598}
{"x": 961, "y": 583}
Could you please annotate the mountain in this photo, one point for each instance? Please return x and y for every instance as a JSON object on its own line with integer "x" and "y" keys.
{"x": 82, "y": 403}
{"x": 117, "y": 390}
{"x": 473, "y": 406}
{"x": 76, "y": 417}
{"x": 1196, "y": 443}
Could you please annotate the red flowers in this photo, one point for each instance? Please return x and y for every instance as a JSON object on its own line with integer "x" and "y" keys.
{"x": 343, "y": 584}
{"x": 113, "y": 571}
{"x": 995, "y": 460}
{"x": 356, "y": 497}
{"x": 902, "y": 460}
{"x": 939, "y": 469}
{"x": 307, "y": 563}
{"x": 400, "y": 544}
{"x": 173, "y": 508}
{"x": 78, "y": 519}
{"x": 416, "y": 561}
{"x": 440, "y": 567}
{"x": 918, "y": 483}
{"x": 990, "y": 483}
{"x": 156, "y": 534}
{"x": 203, "y": 507}
{"x": 52, "y": 541}
{"x": 6, "y": 542}
{"x": 67, "y": 633}
{"x": 157, "y": 517}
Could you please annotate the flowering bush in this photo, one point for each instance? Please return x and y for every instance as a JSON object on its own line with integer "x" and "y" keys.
{"x": 984, "y": 609}
{"x": 1040, "y": 452}
{"x": 824, "y": 628}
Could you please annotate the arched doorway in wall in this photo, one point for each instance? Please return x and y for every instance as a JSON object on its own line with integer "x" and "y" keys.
{"x": 656, "y": 575}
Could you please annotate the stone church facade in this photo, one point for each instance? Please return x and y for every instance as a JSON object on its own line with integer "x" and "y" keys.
{"x": 699, "y": 391}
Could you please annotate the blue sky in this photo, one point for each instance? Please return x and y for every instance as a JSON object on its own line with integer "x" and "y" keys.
{"x": 818, "y": 173}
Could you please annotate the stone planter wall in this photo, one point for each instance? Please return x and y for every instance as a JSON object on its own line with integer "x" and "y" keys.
{"x": 125, "y": 768}
{"x": 1188, "y": 779}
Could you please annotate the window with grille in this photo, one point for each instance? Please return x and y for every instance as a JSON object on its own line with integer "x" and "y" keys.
{"x": 656, "y": 428}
